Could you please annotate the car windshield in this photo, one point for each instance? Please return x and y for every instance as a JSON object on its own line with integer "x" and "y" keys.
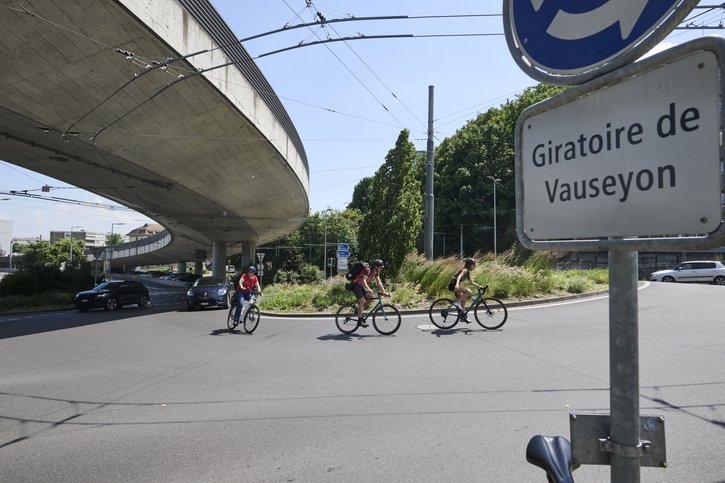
{"x": 206, "y": 281}
{"x": 105, "y": 286}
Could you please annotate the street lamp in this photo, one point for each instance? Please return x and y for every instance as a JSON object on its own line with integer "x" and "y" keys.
{"x": 110, "y": 253}
{"x": 495, "y": 180}
{"x": 324, "y": 258}
{"x": 70, "y": 245}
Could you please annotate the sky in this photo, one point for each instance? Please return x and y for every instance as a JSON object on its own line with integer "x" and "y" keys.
{"x": 348, "y": 100}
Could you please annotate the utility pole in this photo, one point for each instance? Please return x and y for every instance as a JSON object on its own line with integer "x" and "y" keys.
{"x": 429, "y": 201}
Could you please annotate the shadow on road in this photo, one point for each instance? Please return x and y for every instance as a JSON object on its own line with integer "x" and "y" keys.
{"x": 16, "y": 325}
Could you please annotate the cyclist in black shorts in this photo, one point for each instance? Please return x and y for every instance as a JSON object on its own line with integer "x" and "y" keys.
{"x": 361, "y": 289}
{"x": 463, "y": 293}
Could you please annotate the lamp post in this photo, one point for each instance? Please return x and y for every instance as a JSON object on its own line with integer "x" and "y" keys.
{"x": 110, "y": 253}
{"x": 70, "y": 245}
{"x": 495, "y": 180}
{"x": 324, "y": 257}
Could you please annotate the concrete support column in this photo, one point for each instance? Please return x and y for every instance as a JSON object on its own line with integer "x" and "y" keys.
{"x": 219, "y": 259}
{"x": 199, "y": 268}
{"x": 181, "y": 267}
{"x": 247, "y": 253}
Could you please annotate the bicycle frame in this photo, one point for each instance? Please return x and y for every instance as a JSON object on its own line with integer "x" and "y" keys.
{"x": 385, "y": 317}
{"x": 378, "y": 303}
{"x": 489, "y": 312}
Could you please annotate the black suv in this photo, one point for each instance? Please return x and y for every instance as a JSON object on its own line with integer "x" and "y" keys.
{"x": 113, "y": 295}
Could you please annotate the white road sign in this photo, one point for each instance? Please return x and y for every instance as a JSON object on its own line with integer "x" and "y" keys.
{"x": 640, "y": 158}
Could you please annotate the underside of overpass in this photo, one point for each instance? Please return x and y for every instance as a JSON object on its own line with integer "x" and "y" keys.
{"x": 126, "y": 99}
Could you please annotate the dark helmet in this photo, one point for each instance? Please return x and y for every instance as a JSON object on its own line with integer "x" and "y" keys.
{"x": 377, "y": 263}
{"x": 469, "y": 262}
{"x": 252, "y": 269}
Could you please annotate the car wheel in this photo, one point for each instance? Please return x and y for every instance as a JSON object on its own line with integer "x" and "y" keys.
{"x": 111, "y": 303}
{"x": 190, "y": 308}
{"x": 668, "y": 279}
{"x": 143, "y": 301}
{"x": 719, "y": 280}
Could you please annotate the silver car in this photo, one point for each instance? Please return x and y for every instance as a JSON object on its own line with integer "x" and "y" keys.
{"x": 706, "y": 271}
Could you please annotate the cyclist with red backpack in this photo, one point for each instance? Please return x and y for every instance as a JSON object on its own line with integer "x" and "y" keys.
{"x": 362, "y": 275}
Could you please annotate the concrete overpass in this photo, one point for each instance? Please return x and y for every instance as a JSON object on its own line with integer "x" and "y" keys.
{"x": 127, "y": 99}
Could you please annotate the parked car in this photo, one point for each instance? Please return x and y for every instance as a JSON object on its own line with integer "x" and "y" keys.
{"x": 210, "y": 292}
{"x": 701, "y": 271}
{"x": 113, "y": 295}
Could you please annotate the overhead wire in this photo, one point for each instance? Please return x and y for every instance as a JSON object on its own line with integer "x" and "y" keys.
{"x": 350, "y": 71}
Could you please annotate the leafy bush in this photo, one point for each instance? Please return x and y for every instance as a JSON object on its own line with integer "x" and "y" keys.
{"x": 307, "y": 274}
{"x": 578, "y": 285}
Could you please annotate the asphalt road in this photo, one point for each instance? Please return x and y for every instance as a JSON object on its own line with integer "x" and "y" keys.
{"x": 161, "y": 394}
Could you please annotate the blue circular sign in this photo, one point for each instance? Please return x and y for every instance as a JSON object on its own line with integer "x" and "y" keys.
{"x": 571, "y": 41}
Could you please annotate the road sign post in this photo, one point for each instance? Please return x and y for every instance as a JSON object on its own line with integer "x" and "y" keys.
{"x": 640, "y": 141}
{"x": 343, "y": 254}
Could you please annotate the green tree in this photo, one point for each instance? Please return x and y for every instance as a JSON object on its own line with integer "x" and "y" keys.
{"x": 463, "y": 190}
{"x": 114, "y": 239}
{"x": 305, "y": 246}
{"x": 360, "y": 195}
{"x": 393, "y": 221}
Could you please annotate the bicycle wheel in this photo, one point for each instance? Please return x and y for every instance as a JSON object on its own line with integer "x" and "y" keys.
{"x": 231, "y": 325}
{"x": 346, "y": 318}
{"x": 251, "y": 319}
{"x": 491, "y": 313}
{"x": 443, "y": 314}
{"x": 386, "y": 319}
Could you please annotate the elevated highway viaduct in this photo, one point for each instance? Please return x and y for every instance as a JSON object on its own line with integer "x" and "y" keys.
{"x": 154, "y": 105}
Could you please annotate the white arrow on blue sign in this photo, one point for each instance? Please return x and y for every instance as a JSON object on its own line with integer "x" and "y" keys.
{"x": 571, "y": 41}
{"x": 343, "y": 246}
{"x": 343, "y": 254}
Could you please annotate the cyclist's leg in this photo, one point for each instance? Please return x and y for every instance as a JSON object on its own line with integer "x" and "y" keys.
{"x": 360, "y": 296}
{"x": 462, "y": 296}
{"x": 238, "y": 309}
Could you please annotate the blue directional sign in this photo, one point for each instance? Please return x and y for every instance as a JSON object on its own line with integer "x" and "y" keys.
{"x": 563, "y": 41}
{"x": 343, "y": 254}
{"x": 343, "y": 246}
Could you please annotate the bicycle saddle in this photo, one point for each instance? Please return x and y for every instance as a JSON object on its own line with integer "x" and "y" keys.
{"x": 553, "y": 455}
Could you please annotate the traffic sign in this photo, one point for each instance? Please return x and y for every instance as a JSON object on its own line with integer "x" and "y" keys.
{"x": 260, "y": 256}
{"x": 568, "y": 42}
{"x": 343, "y": 246}
{"x": 630, "y": 160}
{"x": 343, "y": 254}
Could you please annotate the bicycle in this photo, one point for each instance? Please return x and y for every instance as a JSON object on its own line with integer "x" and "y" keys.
{"x": 490, "y": 312}
{"x": 385, "y": 317}
{"x": 249, "y": 318}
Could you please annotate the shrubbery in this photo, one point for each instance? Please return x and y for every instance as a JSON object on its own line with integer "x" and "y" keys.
{"x": 307, "y": 274}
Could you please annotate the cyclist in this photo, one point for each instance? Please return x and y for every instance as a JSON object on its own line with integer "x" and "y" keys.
{"x": 248, "y": 281}
{"x": 362, "y": 290}
{"x": 463, "y": 293}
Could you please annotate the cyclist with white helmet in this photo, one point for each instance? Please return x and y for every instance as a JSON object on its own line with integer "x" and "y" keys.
{"x": 463, "y": 293}
{"x": 248, "y": 282}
